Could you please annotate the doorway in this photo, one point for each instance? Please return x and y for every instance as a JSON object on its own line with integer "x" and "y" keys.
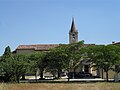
{"x": 86, "y": 68}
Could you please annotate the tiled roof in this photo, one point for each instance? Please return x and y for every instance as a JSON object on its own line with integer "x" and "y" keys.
{"x": 39, "y": 47}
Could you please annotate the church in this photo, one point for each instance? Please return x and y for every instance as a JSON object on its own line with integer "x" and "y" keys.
{"x": 84, "y": 65}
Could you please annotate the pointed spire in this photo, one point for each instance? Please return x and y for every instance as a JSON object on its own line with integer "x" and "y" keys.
{"x": 73, "y": 27}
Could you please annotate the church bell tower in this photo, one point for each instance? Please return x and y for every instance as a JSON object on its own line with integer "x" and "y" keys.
{"x": 73, "y": 33}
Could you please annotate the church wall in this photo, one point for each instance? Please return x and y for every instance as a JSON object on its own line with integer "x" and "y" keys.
{"x": 110, "y": 74}
{"x": 25, "y": 51}
{"x": 79, "y": 69}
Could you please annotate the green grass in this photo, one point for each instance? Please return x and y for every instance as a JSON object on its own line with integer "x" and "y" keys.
{"x": 61, "y": 86}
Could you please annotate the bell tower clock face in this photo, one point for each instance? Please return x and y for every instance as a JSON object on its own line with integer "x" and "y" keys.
{"x": 73, "y": 37}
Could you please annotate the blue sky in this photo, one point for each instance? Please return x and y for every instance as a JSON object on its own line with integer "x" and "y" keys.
{"x": 49, "y": 21}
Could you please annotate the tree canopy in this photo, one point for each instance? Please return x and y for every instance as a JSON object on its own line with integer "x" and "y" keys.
{"x": 104, "y": 56}
{"x": 64, "y": 57}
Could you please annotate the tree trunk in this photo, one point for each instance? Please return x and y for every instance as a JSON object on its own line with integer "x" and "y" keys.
{"x": 41, "y": 73}
{"x": 107, "y": 76}
{"x": 59, "y": 71}
{"x": 18, "y": 79}
{"x": 68, "y": 79}
{"x": 102, "y": 73}
{"x": 23, "y": 76}
{"x": 36, "y": 77}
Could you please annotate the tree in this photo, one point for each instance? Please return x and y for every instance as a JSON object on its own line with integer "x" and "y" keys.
{"x": 42, "y": 63}
{"x": 7, "y": 52}
{"x": 38, "y": 61}
{"x": 104, "y": 56}
{"x": 65, "y": 57}
{"x": 5, "y": 65}
{"x": 116, "y": 68}
{"x": 75, "y": 53}
{"x": 6, "y": 69}
{"x": 33, "y": 58}
{"x": 20, "y": 66}
{"x": 12, "y": 66}
{"x": 57, "y": 60}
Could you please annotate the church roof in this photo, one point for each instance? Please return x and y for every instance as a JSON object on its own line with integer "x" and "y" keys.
{"x": 73, "y": 27}
{"x": 37, "y": 47}
{"x": 41, "y": 47}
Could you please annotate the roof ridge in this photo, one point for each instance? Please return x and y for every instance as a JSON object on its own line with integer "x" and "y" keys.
{"x": 37, "y": 44}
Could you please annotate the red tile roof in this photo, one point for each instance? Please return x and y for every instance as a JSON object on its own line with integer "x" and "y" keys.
{"x": 37, "y": 47}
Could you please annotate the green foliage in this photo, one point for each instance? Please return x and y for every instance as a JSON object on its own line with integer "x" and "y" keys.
{"x": 12, "y": 66}
{"x": 5, "y": 65}
{"x": 20, "y": 66}
{"x": 37, "y": 61}
{"x": 6, "y": 69}
{"x": 7, "y": 52}
{"x": 57, "y": 59}
{"x": 75, "y": 53}
{"x": 104, "y": 56}
{"x": 64, "y": 57}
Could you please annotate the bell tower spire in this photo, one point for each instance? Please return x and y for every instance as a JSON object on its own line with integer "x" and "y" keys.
{"x": 73, "y": 27}
{"x": 73, "y": 33}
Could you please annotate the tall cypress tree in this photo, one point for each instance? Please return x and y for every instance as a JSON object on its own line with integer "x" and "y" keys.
{"x": 7, "y": 52}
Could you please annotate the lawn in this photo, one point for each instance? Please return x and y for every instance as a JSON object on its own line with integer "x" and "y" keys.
{"x": 61, "y": 86}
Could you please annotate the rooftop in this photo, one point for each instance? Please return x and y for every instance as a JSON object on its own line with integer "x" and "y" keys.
{"x": 37, "y": 47}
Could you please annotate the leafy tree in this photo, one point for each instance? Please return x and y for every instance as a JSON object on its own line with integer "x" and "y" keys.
{"x": 104, "y": 56}
{"x": 57, "y": 60}
{"x": 75, "y": 54}
{"x": 42, "y": 63}
{"x": 7, "y": 52}
{"x": 12, "y": 66}
{"x": 65, "y": 57}
{"x": 38, "y": 61}
{"x": 20, "y": 66}
{"x": 33, "y": 63}
{"x": 5, "y": 65}
{"x": 116, "y": 68}
{"x": 6, "y": 69}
